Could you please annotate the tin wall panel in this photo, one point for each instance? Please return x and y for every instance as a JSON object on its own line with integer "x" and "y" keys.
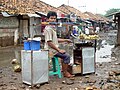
{"x": 88, "y": 62}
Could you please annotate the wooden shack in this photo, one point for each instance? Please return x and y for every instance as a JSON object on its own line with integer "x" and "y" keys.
{"x": 8, "y": 26}
{"x": 14, "y": 28}
{"x": 21, "y": 19}
{"x": 116, "y": 18}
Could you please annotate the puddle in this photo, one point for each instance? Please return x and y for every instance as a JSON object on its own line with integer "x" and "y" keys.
{"x": 8, "y": 54}
{"x": 103, "y": 52}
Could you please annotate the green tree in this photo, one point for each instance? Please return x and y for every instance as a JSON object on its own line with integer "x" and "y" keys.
{"x": 110, "y": 11}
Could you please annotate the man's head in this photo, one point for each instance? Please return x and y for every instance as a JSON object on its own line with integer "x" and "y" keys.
{"x": 52, "y": 16}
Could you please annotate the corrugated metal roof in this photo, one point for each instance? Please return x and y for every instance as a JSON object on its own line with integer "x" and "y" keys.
{"x": 41, "y": 13}
{"x": 5, "y": 14}
{"x": 33, "y": 15}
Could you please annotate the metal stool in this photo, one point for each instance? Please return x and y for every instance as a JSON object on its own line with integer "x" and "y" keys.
{"x": 55, "y": 67}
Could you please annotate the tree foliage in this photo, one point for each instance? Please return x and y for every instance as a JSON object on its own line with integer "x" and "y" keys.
{"x": 110, "y": 11}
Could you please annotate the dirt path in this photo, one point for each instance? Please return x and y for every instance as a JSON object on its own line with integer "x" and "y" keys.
{"x": 106, "y": 77}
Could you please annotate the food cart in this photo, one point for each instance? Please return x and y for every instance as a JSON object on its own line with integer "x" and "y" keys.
{"x": 84, "y": 54}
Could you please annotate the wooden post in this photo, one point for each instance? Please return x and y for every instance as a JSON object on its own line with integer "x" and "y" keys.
{"x": 118, "y": 34}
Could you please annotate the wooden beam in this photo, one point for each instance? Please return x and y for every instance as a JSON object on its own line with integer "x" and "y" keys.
{"x": 118, "y": 34}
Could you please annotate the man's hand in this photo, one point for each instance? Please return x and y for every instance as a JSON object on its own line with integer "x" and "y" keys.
{"x": 68, "y": 41}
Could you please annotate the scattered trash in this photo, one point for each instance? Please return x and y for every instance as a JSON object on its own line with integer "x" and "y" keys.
{"x": 113, "y": 81}
{"x": 14, "y": 61}
{"x": 101, "y": 83}
{"x": 17, "y": 68}
{"x": 37, "y": 86}
{"x": 64, "y": 82}
{"x": 68, "y": 82}
{"x": 117, "y": 63}
{"x": 16, "y": 65}
{"x": 91, "y": 88}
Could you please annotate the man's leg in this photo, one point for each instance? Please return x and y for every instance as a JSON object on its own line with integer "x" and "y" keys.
{"x": 66, "y": 60}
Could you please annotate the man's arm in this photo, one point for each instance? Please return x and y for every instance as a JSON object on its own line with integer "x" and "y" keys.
{"x": 64, "y": 40}
{"x": 55, "y": 48}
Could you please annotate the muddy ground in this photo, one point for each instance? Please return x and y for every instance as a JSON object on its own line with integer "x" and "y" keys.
{"x": 106, "y": 76}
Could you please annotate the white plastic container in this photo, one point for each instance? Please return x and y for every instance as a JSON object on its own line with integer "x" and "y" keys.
{"x": 34, "y": 66}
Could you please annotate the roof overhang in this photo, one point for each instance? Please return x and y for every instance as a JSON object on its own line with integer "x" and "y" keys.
{"x": 116, "y": 14}
{"x": 62, "y": 18}
{"x": 5, "y": 14}
{"x": 32, "y": 15}
{"x": 41, "y": 14}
